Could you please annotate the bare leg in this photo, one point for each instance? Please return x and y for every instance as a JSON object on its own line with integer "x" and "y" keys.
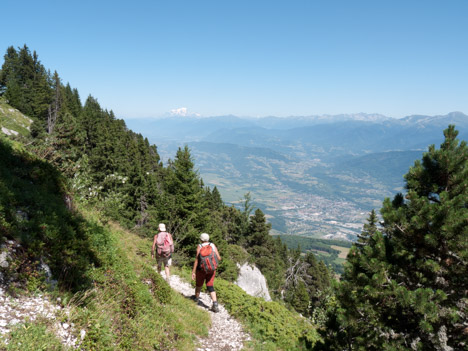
{"x": 215, "y": 307}
{"x": 168, "y": 272}
{"x": 159, "y": 267}
{"x": 197, "y": 291}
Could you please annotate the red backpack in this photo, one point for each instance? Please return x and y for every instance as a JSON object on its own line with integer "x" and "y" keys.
{"x": 208, "y": 259}
{"x": 165, "y": 244}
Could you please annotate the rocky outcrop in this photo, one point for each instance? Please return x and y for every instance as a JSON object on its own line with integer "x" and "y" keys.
{"x": 17, "y": 310}
{"x": 21, "y": 309}
{"x": 252, "y": 281}
{"x": 9, "y": 131}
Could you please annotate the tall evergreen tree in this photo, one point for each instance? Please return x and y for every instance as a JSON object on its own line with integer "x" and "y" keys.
{"x": 185, "y": 211}
{"x": 368, "y": 231}
{"x": 26, "y": 84}
{"x": 56, "y": 105}
{"x": 266, "y": 252}
{"x": 407, "y": 287}
{"x": 8, "y": 77}
{"x": 72, "y": 101}
{"x": 429, "y": 244}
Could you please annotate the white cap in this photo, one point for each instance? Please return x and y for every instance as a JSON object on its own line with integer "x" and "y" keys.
{"x": 204, "y": 237}
{"x": 162, "y": 227}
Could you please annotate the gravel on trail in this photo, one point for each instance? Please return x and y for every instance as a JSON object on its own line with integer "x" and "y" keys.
{"x": 19, "y": 310}
{"x": 226, "y": 334}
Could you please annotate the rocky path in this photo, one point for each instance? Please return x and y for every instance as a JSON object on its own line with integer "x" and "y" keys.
{"x": 226, "y": 334}
{"x": 19, "y": 310}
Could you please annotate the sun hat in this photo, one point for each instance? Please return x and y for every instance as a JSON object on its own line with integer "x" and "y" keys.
{"x": 204, "y": 237}
{"x": 162, "y": 227}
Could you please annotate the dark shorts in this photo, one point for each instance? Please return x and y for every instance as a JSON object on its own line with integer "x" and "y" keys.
{"x": 166, "y": 261}
{"x": 202, "y": 277}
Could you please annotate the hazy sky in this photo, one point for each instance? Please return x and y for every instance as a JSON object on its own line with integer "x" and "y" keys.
{"x": 251, "y": 58}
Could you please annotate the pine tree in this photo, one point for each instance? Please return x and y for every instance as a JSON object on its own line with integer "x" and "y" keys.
{"x": 215, "y": 200}
{"x": 369, "y": 229}
{"x": 184, "y": 208}
{"x": 300, "y": 298}
{"x": 26, "y": 84}
{"x": 429, "y": 245}
{"x": 56, "y": 106}
{"x": 317, "y": 279}
{"x": 8, "y": 76}
{"x": 406, "y": 288}
{"x": 266, "y": 254}
{"x": 72, "y": 101}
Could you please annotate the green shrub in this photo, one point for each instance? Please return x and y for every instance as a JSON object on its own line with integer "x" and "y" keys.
{"x": 32, "y": 337}
{"x": 269, "y": 322}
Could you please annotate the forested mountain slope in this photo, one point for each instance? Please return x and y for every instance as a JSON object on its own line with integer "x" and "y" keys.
{"x": 316, "y": 176}
{"x": 78, "y": 158}
{"x": 113, "y": 297}
{"x": 82, "y": 194}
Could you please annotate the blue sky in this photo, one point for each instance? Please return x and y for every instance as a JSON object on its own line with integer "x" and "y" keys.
{"x": 252, "y": 58}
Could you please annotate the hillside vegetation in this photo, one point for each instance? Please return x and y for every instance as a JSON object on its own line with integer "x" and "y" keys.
{"x": 83, "y": 194}
{"x": 106, "y": 274}
{"x": 314, "y": 176}
{"x": 80, "y": 168}
{"x": 330, "y": 252}
{"x": 115, "y": 295}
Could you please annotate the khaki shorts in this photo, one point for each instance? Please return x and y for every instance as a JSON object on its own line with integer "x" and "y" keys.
{"x": 167, "y": 261}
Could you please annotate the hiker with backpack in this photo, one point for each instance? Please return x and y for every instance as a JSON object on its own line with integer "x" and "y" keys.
{"x": 165, "y": 247}
{"x": 204, "y": 269}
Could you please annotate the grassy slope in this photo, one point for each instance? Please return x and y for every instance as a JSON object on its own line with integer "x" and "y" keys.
{"x": 12, "y": 119}
{"x": 145, "y": 313}
{"x": 272, "y": 326}
{"x": 104, "y": 276}
{"x": 120, "y": 301}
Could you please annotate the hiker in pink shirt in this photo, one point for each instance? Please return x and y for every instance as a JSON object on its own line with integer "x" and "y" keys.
{"x": 165, "y": 247}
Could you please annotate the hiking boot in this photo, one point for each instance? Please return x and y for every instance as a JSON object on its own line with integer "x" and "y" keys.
{"x": 196, "y": 299}
{"x": 215, "y": 307}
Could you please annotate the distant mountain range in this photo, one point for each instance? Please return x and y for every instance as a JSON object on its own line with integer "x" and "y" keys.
{"x": 312, "y": 175}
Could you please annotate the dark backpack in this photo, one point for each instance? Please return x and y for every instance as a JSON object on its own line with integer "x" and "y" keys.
{"x": 208, "y": 259}
{"x": 165, "y": 244}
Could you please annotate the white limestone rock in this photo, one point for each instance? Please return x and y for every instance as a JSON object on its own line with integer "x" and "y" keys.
{"x": 4, "y": 259}
{"x": 252, "y": 281}
{"x": 9, "y": 131}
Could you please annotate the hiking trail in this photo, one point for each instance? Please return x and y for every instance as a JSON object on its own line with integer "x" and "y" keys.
{"x": 226, "y": 334}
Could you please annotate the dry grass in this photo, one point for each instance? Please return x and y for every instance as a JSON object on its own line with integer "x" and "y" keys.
{"x": 343, "y": 251}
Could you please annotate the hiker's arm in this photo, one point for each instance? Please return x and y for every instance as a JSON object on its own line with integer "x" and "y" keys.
{"x": 195, "y": 264}
{"x": 154, "y": 245}
{"x": 172, "y": 246}
{"x": 217, "y": 254}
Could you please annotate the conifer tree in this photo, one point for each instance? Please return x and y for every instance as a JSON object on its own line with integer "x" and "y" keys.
{"x": 407, "y": 287}
{"x": 8, "y": 76}
{"x": 214, "y": 199}
{"x": 26, "y": 84}
{"x": 267, "y": 255}
{"x": 317, "y": 279}
{"x": 185, "y": 210}
{"x": 71, "y": 101}
{"x": 56, "y": 105}
{"x": 428, "y": 238}
{"x": 369, "y": 229}
{"x": 300, "y": 298}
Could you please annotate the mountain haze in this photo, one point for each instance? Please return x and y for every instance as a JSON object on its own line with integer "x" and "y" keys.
{"x": 312, "y": 175}
{"x": 81, "y": 196}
